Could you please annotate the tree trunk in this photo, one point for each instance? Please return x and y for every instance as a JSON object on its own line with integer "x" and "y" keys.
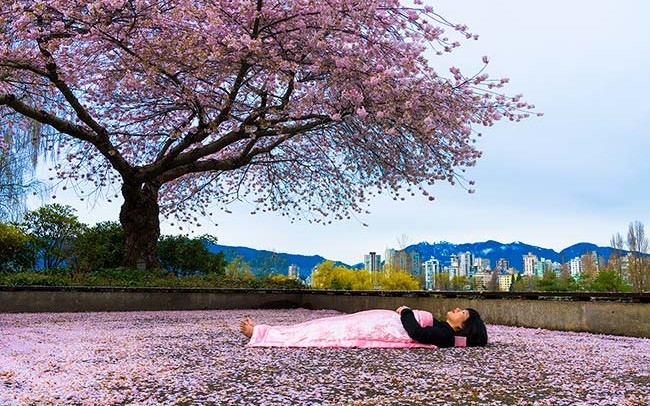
{"x": 139, "y": 219}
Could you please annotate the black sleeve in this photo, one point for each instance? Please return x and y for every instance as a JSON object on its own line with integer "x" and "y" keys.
{"x": 440, "y": 334}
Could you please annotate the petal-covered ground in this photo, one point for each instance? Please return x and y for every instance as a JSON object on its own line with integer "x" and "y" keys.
{"x": 199, "y": 358}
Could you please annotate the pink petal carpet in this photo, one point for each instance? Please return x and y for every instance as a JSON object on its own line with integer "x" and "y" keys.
{"x": 200, "y": 358}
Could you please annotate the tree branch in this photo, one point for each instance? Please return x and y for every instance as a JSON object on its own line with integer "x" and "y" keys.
{"x": 66, "y": 127}
{"x": 69, "y": 96}
{"x": 248, "y": 153}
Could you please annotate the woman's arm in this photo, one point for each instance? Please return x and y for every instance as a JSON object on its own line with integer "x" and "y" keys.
{"x": 399, "y": 309}
{"x": 440, "y": 334}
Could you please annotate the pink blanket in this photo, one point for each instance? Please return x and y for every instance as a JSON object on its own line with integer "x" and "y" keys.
{"x": 367, "y": 329}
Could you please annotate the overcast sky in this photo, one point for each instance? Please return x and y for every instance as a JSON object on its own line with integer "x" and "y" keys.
{"x": 577, "y": 174}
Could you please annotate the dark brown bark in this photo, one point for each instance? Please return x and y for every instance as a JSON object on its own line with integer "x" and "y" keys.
{"x": 139, "y": 219}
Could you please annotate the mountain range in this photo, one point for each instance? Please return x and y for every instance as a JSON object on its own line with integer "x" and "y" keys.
{"x": 493, "y": 250}
{"x": 512, "y": 252}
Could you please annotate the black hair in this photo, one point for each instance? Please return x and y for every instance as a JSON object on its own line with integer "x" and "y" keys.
{"x": 474, "y": 330}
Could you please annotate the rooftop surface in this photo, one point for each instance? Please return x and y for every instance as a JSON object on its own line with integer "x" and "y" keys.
{"x": 200, "y": 358}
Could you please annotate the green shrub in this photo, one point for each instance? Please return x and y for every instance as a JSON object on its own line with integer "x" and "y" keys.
{"x": 99, "y": 247}
{"x": 34, "y": 279}
{"x": 281, "y": 281}
{"x": 608, "y": 280}
{"x": 15, "y": 254}
{"x": 130, "y": 277}
{"x": 150, "y": 278}
{"x": 184, "y": 256}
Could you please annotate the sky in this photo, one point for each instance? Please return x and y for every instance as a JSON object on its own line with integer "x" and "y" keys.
{"x": 577, "y": 174}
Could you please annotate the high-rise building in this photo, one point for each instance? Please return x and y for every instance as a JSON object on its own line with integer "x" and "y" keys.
{"x": 372, "y": 262}
{"x": 493, "y": 280}
{"x": 575, "y": 267}
{"x": 454, "y": 260}
{"x": 432, "y": 271}
{"x": 401, "y": 260}
{"x": 452, "y": 271}
{"x": 502, "y": 265}
{"x": 414, "y": 263}
{"x": 465, "y": 261}
{"x": 505, "y": 281}
{"x": 545, "y": 265}
{"x": 481, "y": 278}
{"x": 530, "y": 260}
{"x": 390, "y": 259}
{"x": 481, "y": 264}
{"x": 293, "y": 272}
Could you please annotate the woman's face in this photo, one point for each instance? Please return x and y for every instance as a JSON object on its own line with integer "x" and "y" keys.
{"x": 458, "y": 316}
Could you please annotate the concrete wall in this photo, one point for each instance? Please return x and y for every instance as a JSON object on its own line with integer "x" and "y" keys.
{"x": 607, "y": 317}
{"x": 629, "y": 319}
{"x": 98, "y": 300}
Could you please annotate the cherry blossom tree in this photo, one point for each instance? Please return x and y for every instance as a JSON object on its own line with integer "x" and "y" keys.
{"x": 306, "y": 107}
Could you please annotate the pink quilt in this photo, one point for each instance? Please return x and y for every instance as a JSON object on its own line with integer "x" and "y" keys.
{"x": 367, "y": 329}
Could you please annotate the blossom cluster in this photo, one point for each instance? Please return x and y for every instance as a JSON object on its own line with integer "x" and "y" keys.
{"x": 299, "y": 105}
{"x": 200, "y": 358}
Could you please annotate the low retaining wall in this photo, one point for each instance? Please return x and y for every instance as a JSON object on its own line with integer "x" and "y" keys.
{"x": 619, "y": 314}
{"x": 91, "y": 299}
{"x": 606, "y": 317}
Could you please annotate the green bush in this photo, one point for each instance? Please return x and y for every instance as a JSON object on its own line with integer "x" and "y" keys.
{"x": 15, "y": 254}
{"x": 281, "y": 282}
{"x": 184, "y": 256}
{"x": 34, "y": 279}
{"x": 609, "y": 280}
{"x": 99, "y": 247}
{"x": 137, "y": 278}
{"x": 130, "y": 277}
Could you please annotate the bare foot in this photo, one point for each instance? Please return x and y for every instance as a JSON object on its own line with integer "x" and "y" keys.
{"x": 246, "y": 327}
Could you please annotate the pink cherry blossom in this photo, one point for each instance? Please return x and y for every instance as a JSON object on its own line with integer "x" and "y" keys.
{"x": 199, "y": 357}
{"x": 236, "y": 100}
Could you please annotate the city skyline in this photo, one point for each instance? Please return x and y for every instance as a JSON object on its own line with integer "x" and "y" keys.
{"x": 467, "y": 267}
{"x": 574, "y": 175}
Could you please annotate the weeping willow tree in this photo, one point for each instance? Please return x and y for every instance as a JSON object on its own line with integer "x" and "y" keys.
{"x": 19, "y": 151}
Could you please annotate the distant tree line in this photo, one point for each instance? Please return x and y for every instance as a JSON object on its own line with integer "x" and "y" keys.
{"x": 627, "y": 268}
{"x": 50, "y": 246}
{"x": 605, "y": 280}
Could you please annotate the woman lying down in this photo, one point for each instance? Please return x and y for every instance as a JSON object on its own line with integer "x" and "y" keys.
{"x": 403, "y": 328}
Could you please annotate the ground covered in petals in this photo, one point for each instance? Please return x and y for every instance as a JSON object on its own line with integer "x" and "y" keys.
{"x": 199, "y": 358}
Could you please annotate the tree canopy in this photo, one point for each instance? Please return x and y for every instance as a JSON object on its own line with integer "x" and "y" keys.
{"x": 304, "y": 107}
{"x": 53, "y": 229}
